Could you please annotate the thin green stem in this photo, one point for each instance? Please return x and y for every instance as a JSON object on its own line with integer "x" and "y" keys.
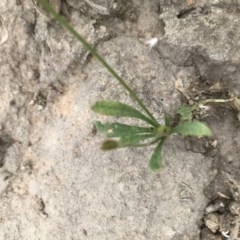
{"x": 65, "y": 24}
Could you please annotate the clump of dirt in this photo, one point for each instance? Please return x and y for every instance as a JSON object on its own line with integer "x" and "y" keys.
{"x": 222, "y": 215}
{"x": 221, "y": 219}
{"x": 5, "y": 142}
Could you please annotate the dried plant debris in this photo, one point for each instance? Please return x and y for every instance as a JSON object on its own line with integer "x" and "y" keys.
{"x": 3, "y": 32}
{"x": 235, "y": 104}
{"x": 109, "y": 7}
{"x": 99, "y": 7}
{"x": 200, "y": 101}
{"x": 5, "y": 142}
{"x": 232, "y": 101}
{"x": 222, "y": 215}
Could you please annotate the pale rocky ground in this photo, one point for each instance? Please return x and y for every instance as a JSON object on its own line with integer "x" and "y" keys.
{"x": 55, "y": 182}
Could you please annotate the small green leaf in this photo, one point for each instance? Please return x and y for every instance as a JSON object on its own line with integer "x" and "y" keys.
{"x": 118, "y": 130}
{"x": 194, "y": 128}
{"x": 109, "y": 145}
{"x": 186, "y": 112}
{"x": 156, "y": 158}
{"x": 134, "y": 140}
{"x": 126, "y": 141}
{"x": 119, "y": 109}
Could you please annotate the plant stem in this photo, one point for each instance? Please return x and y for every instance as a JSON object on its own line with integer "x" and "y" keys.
{"x": 65, "y": 24}
{"x": 216, "y": 101}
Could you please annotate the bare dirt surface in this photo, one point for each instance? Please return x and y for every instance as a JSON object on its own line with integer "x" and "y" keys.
{"x": 55, "y": 182}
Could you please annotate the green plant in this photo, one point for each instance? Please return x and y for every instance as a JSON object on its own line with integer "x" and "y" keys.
{"x": 138, "y": 136}
{"x": 123, "y": 135}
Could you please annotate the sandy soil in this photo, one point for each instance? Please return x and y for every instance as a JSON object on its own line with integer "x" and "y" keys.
{"x": 55, "y": 182}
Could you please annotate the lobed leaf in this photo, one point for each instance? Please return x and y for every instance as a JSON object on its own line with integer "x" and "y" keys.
{"x": 156, "y": 158}
{"x": 118, "y": 129}
{"x": 119, "y": 109}
{"x": 186, "y": 112}
{"x": 194, "y": 128}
